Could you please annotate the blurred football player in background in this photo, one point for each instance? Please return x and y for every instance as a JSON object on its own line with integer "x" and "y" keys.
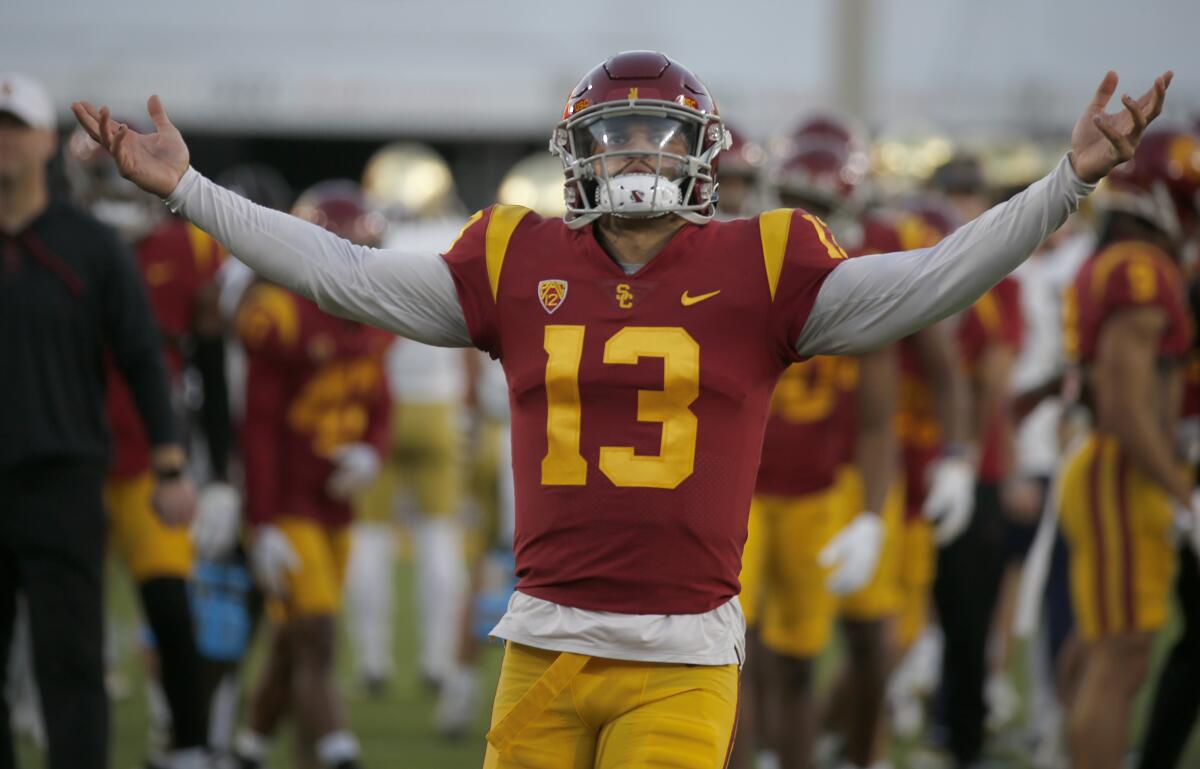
{"x": 741, "y": 170}
{"x": 314, "y": 431}
{"x": 423, "y": 473}
{"x": 1177, "y": 697}
{"x": 179, "y": 264}
{"x": 969, "y": 570}
{"x": 70, "y": 297}
{"x": 1127, "y": 326}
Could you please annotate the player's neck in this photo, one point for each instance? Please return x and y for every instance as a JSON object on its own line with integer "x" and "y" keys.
{"x": 22, "y": 199}
{"x": 636, "y": 241}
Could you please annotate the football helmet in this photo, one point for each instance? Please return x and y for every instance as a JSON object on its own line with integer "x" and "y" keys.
{"x": 97, "y": 185}
{"x": 406, "y": 181}
{"x": 744, "y": 157}
{"x": 823, "y": 162}
{"x": 1159, "y": 184}
{"x": 260, "y": 183}
{"x": 639, "y": 137}
{"x": 535, "y": 182}
{"x": 339, "y": 206}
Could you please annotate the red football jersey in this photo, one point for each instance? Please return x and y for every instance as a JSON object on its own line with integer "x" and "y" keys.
{"x": 177, "y": 261}
{"x": 1123, "y": 275}
{"x": 806, "y": 436}
{"x": 993, "y": 320}
{"x": 917, "y": 428}
{"x": 638, "y": 400}
{"x": 314, "y": 383}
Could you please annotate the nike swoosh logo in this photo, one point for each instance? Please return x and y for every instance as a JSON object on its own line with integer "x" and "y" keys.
{"x": 688, "y": 301}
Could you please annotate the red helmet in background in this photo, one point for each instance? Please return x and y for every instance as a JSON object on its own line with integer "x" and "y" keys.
{"x": 1160, "y": 183}
{"x": 744, "y": 157}
{"x": 339, "y": 206}
{"x": 825, "y": 160}
{"x": 97, "y": 185}
{"x": 639, "y": 138}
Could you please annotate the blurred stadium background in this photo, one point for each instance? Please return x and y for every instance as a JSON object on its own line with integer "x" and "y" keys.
{"x": 314, "y": 88}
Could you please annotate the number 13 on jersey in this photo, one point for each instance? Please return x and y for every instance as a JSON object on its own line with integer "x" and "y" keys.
{"x": 564, "y": 465}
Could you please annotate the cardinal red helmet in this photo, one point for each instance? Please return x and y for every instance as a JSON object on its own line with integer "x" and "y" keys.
{"x": 743, "y": 158}
{"x": 824, "y": 161}
{"x": 1160, "y": 183}
{"x": 639, "y": 137}
{"x": 338, "y": 205}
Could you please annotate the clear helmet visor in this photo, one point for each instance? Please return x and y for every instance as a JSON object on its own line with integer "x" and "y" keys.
{"x": 628, "y": 144}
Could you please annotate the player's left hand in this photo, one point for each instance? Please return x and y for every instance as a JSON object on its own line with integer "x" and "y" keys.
{"x": 951, "y": 498}
{"x": 853, "y": 554}
{"x": 218, "y": 520}
{"x": 174, "y": 500}
{"x": 356, "y": 466}
{"x": 1101, "y": 141}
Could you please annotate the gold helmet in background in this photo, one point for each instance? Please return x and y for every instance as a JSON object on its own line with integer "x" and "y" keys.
{"x": 535, "y": 182}
{"x": 903, "y": 160}
{"x": 407, "y": 180}
{"x": 1014, "y": 162}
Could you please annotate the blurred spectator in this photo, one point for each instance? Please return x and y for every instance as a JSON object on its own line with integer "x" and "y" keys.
{"x": 68, "y": 289}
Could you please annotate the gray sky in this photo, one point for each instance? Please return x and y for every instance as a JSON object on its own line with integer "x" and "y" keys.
{"x": 467, "y": 68}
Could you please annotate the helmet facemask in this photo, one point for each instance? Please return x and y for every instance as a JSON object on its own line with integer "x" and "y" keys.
{"x": 641, "y": 159}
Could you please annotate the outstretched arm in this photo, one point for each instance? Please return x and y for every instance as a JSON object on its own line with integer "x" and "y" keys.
{"x": 411, "y": 295}
{"x": 872, "y": 300}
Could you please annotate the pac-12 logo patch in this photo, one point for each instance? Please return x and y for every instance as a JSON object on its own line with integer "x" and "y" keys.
{"x": 552, "y": 293}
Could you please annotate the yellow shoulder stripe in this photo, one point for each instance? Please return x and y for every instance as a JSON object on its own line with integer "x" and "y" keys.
{"x": 202, "y": 245}
{"x": 987, "y": 309}
{"x": 1116, "y": 255}
{"x": 773, "y": 226}
{"x": 266, "y": 308}
{"x": 503, "y": 222}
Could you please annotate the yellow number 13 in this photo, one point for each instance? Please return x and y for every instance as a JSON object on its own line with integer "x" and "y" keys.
{"x": 564, "y": 465}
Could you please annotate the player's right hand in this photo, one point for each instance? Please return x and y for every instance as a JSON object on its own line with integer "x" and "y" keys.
{"x": 272, "y": 558}
{"x": 155, "y": 161}
{"x": 853, "y": 554}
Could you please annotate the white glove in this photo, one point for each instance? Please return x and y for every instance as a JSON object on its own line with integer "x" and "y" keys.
{"x": 272, "y": 558}
{"x": 357, "y": 465}
{"x": 951, "y": 497}
{"x": 218, "y": 520}
{"x": 1192, "y": 523}
{"x": 853, "y": 554}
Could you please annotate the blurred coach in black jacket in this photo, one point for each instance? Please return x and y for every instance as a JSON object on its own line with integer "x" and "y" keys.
{"x": 69, "y": 295}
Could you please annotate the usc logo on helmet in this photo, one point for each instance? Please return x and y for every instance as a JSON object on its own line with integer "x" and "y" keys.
{"x": 624, "y": 296}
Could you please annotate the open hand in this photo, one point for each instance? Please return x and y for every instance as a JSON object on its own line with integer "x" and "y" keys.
{"x": 155, "y": 161}
{"x": 1101, "y": 141}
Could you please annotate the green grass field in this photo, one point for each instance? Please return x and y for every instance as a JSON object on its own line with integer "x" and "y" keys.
{"x": 396, "y": 730}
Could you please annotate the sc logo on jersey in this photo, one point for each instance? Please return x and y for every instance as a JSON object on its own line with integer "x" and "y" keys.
{"x": 624, "y": 296}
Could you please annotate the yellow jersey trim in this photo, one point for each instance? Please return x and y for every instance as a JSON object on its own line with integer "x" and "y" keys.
{"x": 501, "y": 225}
{"x": 773, "y": 226}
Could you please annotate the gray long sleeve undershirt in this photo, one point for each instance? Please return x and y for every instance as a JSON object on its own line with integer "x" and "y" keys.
{"x": 863, "y": 304}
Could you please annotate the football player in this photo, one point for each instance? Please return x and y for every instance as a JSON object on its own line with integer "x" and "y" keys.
{"x": 638, "y": 412}
{"x": 315, "y": 427}
{"x": 741, "y": 176}
{"x": 1177, "y": 696}
{"x": 1127, "y": 326}
{"x": 802, "y": 499}
{"x": 179, "y": 264}
{"x": 412, "y": 185}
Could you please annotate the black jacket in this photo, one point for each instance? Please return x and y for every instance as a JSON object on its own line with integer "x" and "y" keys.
{"x": 69, "y": 293}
